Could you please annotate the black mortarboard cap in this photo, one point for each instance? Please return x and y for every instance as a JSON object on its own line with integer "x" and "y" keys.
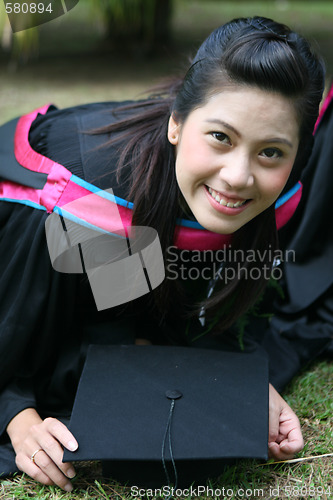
{"x": 159, "y": 414}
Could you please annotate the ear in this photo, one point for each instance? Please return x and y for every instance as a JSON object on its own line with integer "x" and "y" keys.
{"x": 173, "y": 131}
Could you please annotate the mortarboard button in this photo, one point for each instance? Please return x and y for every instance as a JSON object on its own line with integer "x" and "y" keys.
{"x": 173, "y": 394}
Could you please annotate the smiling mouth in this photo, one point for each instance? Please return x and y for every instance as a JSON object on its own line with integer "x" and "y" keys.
{"x": 223, "y": 200}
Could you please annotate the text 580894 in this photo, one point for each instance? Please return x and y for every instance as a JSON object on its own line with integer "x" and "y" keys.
{"x": 27, "y": 8}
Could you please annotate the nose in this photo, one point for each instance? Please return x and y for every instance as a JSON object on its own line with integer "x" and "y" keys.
{"x": 236, "y": 170}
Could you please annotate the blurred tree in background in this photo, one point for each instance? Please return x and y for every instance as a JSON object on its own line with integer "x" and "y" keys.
{"x": 144, "y": 27}
{"x": 143, "y": 23}
{"x": 103, "y": 50}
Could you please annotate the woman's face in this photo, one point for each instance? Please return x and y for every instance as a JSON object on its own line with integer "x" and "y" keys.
{"x": 234, "y": 155}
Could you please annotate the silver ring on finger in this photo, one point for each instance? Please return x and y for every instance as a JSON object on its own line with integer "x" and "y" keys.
{"x": 32, "y": 458}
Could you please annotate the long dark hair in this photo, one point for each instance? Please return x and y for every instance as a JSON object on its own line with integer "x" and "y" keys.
{"x": 254, "y": 52}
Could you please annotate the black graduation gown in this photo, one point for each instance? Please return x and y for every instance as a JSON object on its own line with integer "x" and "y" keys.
{"x": 46, "y": 318}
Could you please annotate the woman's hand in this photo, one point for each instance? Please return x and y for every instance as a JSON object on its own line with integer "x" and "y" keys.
{"x": 285, "y": 435}
{"x": 44, "y": 440}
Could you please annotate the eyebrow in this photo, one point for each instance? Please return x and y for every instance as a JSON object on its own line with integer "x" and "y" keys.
{"x": 279, "y": 140}
{"x": 224, "y": 124}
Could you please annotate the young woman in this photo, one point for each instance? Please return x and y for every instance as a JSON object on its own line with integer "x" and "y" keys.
{"x": 205, "y": 159}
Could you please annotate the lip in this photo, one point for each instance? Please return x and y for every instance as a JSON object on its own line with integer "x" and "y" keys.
{"x": 231, "y": 197}
{"x": 223, "y": 209}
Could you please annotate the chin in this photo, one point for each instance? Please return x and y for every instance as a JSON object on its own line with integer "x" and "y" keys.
{"x": 225, "y": 231}
{"x": 217, "y": 228}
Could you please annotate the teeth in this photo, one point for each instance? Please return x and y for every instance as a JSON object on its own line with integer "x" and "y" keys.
{"x": 223, "y": 202}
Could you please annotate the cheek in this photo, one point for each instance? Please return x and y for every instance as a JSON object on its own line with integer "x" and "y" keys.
{"x": 273, "y": 184}
{"x": 192, "y": 155}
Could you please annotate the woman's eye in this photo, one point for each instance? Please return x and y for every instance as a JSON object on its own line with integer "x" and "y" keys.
{"x": 221, "y": 137}
{"x": 271, "y": 153}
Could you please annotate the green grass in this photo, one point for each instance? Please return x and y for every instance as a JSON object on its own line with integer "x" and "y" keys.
{"x": 310, "y": 395}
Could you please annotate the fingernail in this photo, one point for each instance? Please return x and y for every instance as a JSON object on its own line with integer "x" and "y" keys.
{"x": 68, "y": 487}
{"x": 71, "y": 445}
{"x": 71, "y": 473}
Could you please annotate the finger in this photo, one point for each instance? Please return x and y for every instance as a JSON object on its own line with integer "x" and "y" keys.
{"x": 26, "y": 465}
{"x": 273, "y": 421}
{"x": 61, "y": 433}
{"x": 55, "y": 451}
{"x": 293, "y": 444}
{"x": 48, "y": 437}
{"x": 274, "y": 414}
{"x": 275, "y": 451}
{"x": 291, "y": 438}
{"x": 286, "y": 446}
{"x": 45, "y": 463}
